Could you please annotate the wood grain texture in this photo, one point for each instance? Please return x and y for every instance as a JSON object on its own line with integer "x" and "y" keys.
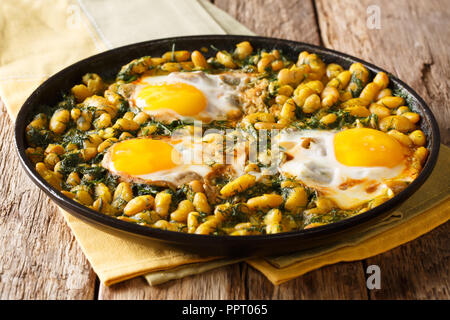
{"x": 39, "y": 257}
{"x": 339, "y": 281}
{"x": 416, "y": 270}
{"x": 412, "y": 43}
{"x": 288, "y": 19}
{"x": 219, "y": 284}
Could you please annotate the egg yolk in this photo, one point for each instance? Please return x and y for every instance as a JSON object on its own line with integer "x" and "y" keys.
{"x": 364, "y": 147}
{"x": 184, "y": 99}
{"x": 142, "y": 156}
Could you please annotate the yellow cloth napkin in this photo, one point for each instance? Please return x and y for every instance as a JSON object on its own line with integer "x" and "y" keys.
{"x": 41, "y": 37}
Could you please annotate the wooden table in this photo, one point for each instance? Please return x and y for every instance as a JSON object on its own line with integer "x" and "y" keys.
{"x": 40, "y": 259}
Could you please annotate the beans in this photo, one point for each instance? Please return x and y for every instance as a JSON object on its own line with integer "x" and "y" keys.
{"x": 201, "y": 203}
{"x": 162, "y": 204}
{"x": 243, "y": 50}
{"x": 106, "y": 144}
{"x": 259, "y": 117}
{"x": 265, "y": 201}
{"x": 81, "y": 92}
{"x": 139, "y": 204}
{"x": 184, "y": 208}
{"x": 238, "y": 185}
{"x": 126, "y": 125}
{"x": 370, "y": 91}
{"x": 268, "y": 126}
{"x": 391, "y": 102}
{"x": 286, "y": 90}
{"x": 193, "y": 220}
{"x": 177, "y": 56}
{"x": 103, "y": 192}
{"x": 264, "y": 63}
{"x": 329, "y": 97}
{"x": 225, "y": 59}
{"x": 328, "y": 119}
{"x": 312, "y": 104}
{"x": 358, "y": 111}
{"x": 288, "y": 110}
{"x": 333, "y": 70}
{"x": 412, "y": 116}
{"x": 207, "y": 227}
{"x": 122, "y": 195}
{"x": 199, "y": 60}
{"x": 55, "y": 148}
{"x": 382, "y": 80}
{"x": 401, "y": 137}
{"x": 59, "y": 121}
{"x": 418, "y": 138}
{"x": 380, "y": 110}
{"x": 296, "y": 200}
{"x": 399, "y": 123}
{"x": 421, "y": 154}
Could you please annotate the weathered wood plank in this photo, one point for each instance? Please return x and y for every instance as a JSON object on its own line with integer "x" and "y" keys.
{"x": 412, "y": 43}
{"x": 288, "y": 19}
{"x": 222, "y": 283}
{"x": 416, "y": 270}
{"x": 339, "y": 281}
{"x": 39, "y": 257}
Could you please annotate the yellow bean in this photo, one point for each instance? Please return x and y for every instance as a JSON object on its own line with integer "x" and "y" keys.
{"x": 225, "y": 59}
{"x": 391, "y": 102}
{"x": 382, "y": 80}
{"x": 177, "y": 56}
{"x": 183, "y": 209}
{"x": 268, "y": 126}
{"x": 103, "y": 121}
{"x": 399, "y": 123}
{"x": 59, "y": 121}
{"x": 162, "y": 203}
{"x": 238, "y": 185}
{"x": 370, "y": 91}
{"x": 412, "y": 116}
{"x": 328, "y": 119}
{"x": 201, "y": 203}
{"x": 384, "y": 93}
{"x": 243, "y": 50}
{"x": 333, "y": 70}
{"x": 358, "y": 111}
{"x": 259, "y": 117}
{"x": 81, "y": 92}
{"x": 103, "y": 192}
{"x": 380, "y": 110}
{"x": 265, "y": 201}
{"x": 296, "y": 200}
{"x": 273, "y": 217}
{"x": 421, "y": 154}
{"x": 165, "y": 225}
{"x": 126, "y": 125}
{"x": 193, "y": 220}
{"x": 330, "y": 96}
{"x": 264, "y": 63}
{"x": 286, "y": 90}
{"x": 418, "y": 138}
{"x": 141, "y": 118}
{"x": 139, "y": 204}
{"x": 288, "y": 110}
{"x": 312, "y": 104}
{"x": 122, "y": 195}
{"x": 199, "y": 60}
{"x": 401, "y": 137}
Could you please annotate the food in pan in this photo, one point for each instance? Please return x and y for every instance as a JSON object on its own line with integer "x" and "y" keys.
{"x": 241, "y": 143}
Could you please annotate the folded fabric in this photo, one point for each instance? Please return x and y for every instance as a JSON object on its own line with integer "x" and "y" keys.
{"x": 41, "y": 37}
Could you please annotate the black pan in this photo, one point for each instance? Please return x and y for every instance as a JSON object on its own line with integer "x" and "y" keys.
{"x": 107, "y": 65}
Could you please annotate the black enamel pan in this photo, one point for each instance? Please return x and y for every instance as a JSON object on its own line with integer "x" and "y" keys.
{"x": 107, "y": 65}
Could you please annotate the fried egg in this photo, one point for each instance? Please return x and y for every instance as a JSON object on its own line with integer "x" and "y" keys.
{"x": 167, "y": 161}
{"x": 189, "y": 95}
{"x": 351, "y": 166}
